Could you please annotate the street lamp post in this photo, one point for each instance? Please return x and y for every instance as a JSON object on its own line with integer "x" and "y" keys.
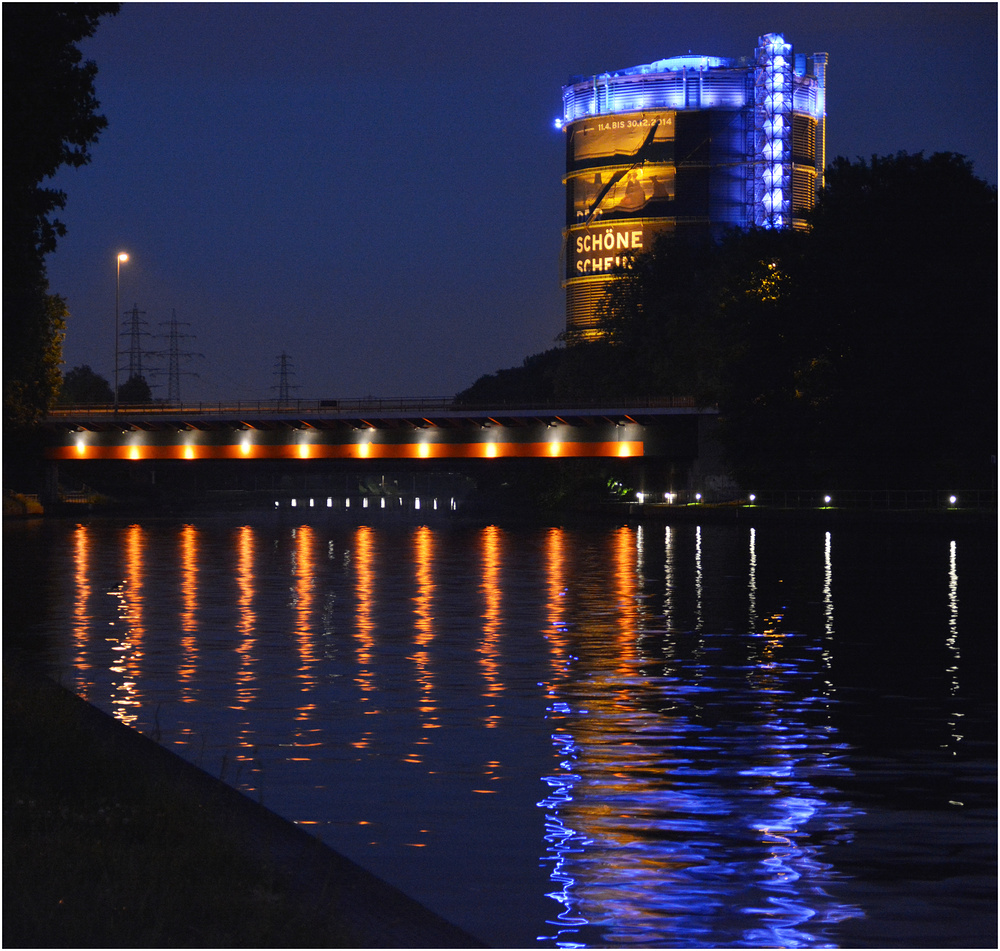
{"x": 122, "y": 258}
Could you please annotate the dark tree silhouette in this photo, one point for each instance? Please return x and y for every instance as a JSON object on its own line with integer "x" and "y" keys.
{"x": 135, "y": 390}
{"x": 901, "y": 284}
{"x": 49, "y": 120}
{"x": 83, "y": 385}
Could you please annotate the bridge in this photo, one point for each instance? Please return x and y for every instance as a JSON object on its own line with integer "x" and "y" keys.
{"x": 663, "y": 441}
{"x": 400, "y": 429}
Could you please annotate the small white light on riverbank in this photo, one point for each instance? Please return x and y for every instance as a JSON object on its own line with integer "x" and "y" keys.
{"x": 952, "y": 499}
{"x": 752, "y": 497}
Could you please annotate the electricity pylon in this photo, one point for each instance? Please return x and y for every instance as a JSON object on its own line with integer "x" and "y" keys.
{"x": 135, "y": 332}
{"x": 283, "y": 368}
{"x": 175, "y": 355}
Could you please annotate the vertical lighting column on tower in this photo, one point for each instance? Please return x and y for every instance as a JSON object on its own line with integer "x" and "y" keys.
{"x": 772, "y": 110}
{"x": 121, "y": 259}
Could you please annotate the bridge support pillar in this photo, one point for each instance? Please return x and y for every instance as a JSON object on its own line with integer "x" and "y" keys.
{"x": 50, "y": 483}
{"x": 709, "y": 473}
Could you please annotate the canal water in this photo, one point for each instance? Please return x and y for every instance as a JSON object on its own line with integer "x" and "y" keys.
{"x": 740, "y": 735}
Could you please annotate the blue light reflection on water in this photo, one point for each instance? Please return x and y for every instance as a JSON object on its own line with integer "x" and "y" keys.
{"x": 653, "y": 717}
{"x": 693, "y": 828}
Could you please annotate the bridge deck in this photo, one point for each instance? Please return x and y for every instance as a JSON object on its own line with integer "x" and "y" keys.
{"x": 366, "y": 429}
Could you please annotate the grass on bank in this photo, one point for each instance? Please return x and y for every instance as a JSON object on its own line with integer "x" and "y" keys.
{"x": 95, "y": 854}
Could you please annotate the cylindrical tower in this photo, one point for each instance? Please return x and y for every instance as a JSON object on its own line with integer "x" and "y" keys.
{"x": 692, "y": 144}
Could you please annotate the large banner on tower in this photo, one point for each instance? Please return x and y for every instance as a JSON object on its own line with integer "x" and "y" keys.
{"x": 600, "y": 248}
{"x": 620, "y": 184}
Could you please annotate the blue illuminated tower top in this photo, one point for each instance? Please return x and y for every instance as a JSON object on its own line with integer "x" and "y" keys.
{"x": 768, "y": 90}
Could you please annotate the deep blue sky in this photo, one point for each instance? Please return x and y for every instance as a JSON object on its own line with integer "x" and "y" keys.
{"x": 375, "y": 189}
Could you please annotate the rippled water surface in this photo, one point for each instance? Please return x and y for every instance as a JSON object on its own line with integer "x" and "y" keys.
{"x": 740, "y": 735}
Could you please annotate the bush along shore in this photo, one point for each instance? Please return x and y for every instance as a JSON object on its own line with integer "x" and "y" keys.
{"x": 112, "y": 841}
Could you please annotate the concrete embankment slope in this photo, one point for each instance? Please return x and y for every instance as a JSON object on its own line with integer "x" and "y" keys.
{"x": 328, "y": 886}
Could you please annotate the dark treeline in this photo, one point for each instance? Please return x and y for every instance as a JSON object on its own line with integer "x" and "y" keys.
{"x": 861, "y": 353}
{"x": 50, "y": 120}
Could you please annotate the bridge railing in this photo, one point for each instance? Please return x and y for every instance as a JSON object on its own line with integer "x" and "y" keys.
{"x": 355, "y": 406}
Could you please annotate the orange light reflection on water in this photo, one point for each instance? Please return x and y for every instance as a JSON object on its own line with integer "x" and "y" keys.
{"x": 555, "y": 582}
{"x": 135, "y": 549}
{"x": 247, "y": 623}
{"x": 625, "y": 563}
{"x": 81, "y": 605}
{"x": 364, "y": 626}
{"x": 489, "y": 647}
{"x": 188, "y": 543}
{"x": 423, "y": 558}
{"x": 304, "y": 569}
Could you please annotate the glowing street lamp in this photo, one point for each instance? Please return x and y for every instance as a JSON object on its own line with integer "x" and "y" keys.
{"x": 122, "y": 258}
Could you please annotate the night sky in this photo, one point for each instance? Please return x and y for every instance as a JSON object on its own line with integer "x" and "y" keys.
{"x": 375, "y": 189}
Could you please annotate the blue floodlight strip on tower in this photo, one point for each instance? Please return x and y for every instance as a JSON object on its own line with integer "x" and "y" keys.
{"x": 680, "y": 82}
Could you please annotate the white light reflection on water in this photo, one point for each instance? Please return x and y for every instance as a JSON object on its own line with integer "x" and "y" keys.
{"x": 951, "y": 641}
{"x": 699, "y": 586}
{"x": 668, "y": 576}
{"x": 828, "y": 612}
